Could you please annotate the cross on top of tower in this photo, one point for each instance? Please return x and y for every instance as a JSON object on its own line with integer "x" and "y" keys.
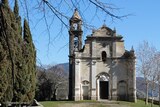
{"x": 104, "y": 24}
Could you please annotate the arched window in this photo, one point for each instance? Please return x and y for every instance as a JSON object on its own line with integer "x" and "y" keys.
{"x": 104, "y": 56}
{"x": 76, "y": 42}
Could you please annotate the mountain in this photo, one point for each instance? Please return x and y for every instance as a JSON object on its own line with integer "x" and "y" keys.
{"x": 65, "y": 67}
{"x": 141, "y": 87}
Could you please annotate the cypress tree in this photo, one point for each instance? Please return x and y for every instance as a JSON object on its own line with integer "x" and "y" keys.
{"x": 18, "y": 18}
{"x": 16, "y": 9}
{"x": 6, "y": 52}
{"x": 30, "y": 61}
{"x": 5, "y": 3}
{"x": 17, "y": 57}
{"x": 18, "y": 86}
{"x": 4, "y": 83}
{"x": 27, "y": 34}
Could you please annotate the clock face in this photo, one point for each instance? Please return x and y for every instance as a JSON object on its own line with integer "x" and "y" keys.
{"x": 75, "y": 26}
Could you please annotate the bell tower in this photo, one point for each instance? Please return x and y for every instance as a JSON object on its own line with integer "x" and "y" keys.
{"x": 75, "y": 44}
{"x": 75, "y": 33}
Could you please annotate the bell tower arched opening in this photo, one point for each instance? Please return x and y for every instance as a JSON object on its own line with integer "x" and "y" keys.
{"x": 104, "y": 56}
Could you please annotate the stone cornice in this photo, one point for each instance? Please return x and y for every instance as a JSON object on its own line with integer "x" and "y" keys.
{"x": 104, "y": 38}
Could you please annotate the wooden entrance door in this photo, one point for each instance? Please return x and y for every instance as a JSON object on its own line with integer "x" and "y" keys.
{"x": 104, "y": 89}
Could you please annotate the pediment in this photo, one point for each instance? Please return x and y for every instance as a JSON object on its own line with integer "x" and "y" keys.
{"x": 103, "y": 32}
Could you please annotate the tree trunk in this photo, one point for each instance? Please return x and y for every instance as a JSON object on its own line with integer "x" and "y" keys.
{"x": 153, "y": 88}
{"x": 54, "y": 94}
{"x": 159, "y": 94}
{"x": 146, "y": 102}
{"x": 152, "y": 98}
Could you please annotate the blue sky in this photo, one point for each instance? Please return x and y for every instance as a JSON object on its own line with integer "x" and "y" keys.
{"x": 143, "y": 24}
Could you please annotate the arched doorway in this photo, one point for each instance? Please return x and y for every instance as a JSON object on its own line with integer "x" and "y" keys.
{"x": 103, "y": 86}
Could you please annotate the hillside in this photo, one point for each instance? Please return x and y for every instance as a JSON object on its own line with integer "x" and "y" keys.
{"x": 140, "y": 84}
{"x": 65, "y": 67}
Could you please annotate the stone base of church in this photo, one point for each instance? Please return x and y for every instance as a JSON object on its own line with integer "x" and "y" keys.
{"x": 132, "y": 98}
{"x": 93, "y": 98}
{"x": 114, "y": 97}
{"x": 76, "y": 98}
{"x": 93, "y": 94}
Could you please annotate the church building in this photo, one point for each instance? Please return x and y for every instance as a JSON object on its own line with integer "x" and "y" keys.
{"x": 101, "y": 68}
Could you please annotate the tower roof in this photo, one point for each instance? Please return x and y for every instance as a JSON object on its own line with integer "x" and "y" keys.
{"x": 76, "y": 15}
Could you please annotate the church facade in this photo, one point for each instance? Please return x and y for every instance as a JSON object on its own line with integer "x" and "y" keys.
{"x": 102, "y": 68}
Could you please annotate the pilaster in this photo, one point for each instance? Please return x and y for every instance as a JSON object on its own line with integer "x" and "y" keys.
{"x": 93, "y": 80}
{"x": 132, "y": 83}
{"x": 77, "y": 80}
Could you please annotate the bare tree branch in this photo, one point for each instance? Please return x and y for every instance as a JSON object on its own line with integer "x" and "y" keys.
{"x": 145, "y": 54}
{"x": 60, "y": 10}
{"x": 104, "y": 8}
{"x": 56, "y": 12}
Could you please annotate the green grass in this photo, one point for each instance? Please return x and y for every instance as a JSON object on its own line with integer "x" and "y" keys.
{"x": 50, "y": 103}
{"x": 139, "y": 103}
{"x": 88, "y": 103}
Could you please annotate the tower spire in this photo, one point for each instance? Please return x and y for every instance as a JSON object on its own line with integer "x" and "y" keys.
{"x": 76, "y": 15}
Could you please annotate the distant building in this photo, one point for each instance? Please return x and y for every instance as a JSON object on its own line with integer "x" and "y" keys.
{"x": 102, "y": 68}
